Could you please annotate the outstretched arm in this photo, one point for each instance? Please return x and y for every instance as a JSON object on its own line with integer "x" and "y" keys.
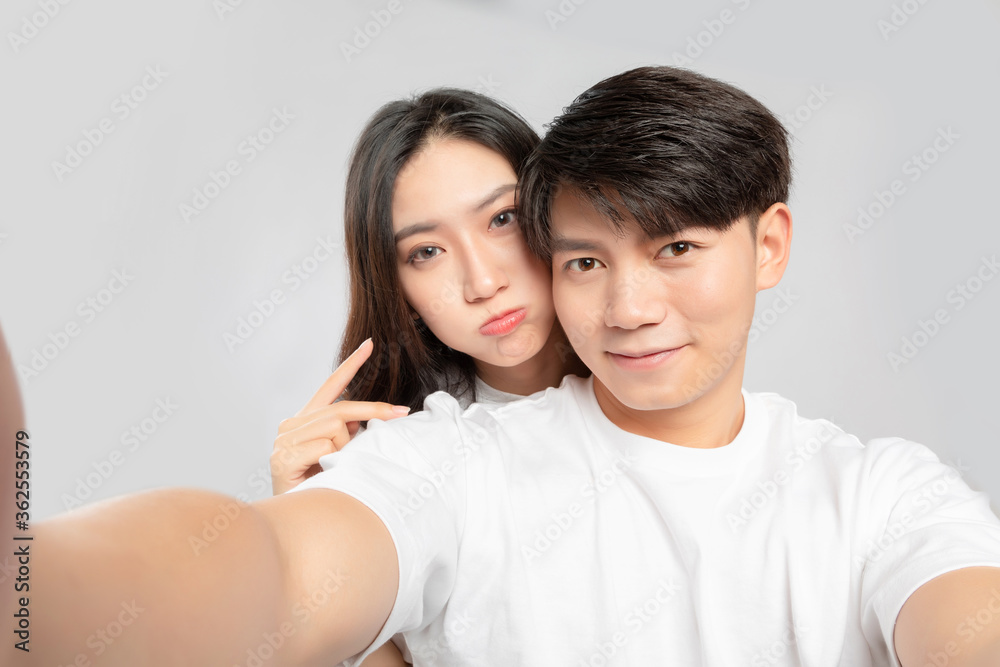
{"x": 179, "y": 577}
{"x": 192, "y": 577}
{"x": 11, "y": 421}
{"x": 952, "y": 620}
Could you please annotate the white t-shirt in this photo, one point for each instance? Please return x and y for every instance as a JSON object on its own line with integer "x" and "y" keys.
{"x": 487, "y": 395}
{"x": 539, "y": 533}
{"x": 484, "y": 394}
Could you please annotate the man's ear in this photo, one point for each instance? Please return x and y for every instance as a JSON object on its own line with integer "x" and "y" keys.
{"x": 774, "y": 241}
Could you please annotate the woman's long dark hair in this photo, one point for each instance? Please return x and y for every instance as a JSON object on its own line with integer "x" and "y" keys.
{"x": 408, "y": 361}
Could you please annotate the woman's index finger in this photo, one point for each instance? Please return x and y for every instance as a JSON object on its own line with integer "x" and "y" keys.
{"x": 335, "y": 385}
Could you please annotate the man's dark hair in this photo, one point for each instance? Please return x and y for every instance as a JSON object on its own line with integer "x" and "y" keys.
{"x": 664, "y": 147}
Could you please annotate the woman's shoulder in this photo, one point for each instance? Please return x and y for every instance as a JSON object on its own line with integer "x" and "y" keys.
{"x": 571, "y": 390}
{"x": 486, "y": 395}
{"x": 444, "y": 421}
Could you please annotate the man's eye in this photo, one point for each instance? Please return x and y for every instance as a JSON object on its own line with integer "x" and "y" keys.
{"x": 504, "y": 218}
{"x": 423, "y": 254}
{"x": 677, "y": 249}
{"x": 583, "y": 264}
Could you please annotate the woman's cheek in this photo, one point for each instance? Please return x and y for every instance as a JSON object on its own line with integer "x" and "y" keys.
{"x": 414, "y": 291}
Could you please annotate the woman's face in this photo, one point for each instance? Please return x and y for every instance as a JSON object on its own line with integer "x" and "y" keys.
{"x": 463, "y": 263}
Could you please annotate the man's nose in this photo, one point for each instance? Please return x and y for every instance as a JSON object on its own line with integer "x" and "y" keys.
{"x": 634, "y": 302}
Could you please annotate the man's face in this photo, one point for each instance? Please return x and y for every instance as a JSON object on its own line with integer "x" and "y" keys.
{"x": 661, "y": 322}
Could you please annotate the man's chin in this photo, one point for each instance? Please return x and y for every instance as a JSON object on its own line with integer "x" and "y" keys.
{"x": 644, "y": 394}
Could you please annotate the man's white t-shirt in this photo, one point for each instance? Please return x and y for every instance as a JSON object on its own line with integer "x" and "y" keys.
{"x": 539, "y": 533}
{"x": 486, "y": 395}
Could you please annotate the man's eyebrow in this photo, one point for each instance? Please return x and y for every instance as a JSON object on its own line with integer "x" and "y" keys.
{"x": 417, "y": 228}
{"x": 493, "y": 196}
{"x": 565, "y": 244}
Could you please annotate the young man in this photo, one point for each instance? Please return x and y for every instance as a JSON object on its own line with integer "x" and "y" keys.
{"x": 652, "y": 514}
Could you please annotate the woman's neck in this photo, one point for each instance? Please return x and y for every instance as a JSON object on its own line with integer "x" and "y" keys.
{"x": 545, "y": 369}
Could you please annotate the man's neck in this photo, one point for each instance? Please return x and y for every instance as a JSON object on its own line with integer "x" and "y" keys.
{"x": 712, "y": 420}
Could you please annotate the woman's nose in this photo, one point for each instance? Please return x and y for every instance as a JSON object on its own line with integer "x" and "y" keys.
{"x": 484, "y": 276}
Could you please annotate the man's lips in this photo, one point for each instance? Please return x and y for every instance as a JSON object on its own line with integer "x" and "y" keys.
{"x": 504, "y": 323}
{"x": 643, "y": 360}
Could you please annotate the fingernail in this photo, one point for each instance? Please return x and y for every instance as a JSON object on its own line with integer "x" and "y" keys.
{"x": 400, "y": 409}
{"x": 363, "y": 343}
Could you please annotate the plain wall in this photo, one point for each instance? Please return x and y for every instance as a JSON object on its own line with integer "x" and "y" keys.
{"x": 863, "y": 98}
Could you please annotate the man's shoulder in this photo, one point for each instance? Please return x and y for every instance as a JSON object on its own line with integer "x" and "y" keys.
{"x": 817, "y": 435}
{"x": 784, "y": 421}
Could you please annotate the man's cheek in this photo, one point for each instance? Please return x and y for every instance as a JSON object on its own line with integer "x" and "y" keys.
{"x": 579, "y": 325}
{"x": 559, "y": 300}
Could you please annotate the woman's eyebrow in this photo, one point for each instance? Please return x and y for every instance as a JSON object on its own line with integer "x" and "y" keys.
{"x": 417, "y": 228}
{"x": 493, "y": 196}
{"x": 421, "y": 227}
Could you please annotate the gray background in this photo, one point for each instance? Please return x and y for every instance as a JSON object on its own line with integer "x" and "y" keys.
{"x": 887, "y": 95}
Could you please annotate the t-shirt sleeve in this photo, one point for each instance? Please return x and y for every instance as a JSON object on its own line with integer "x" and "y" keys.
{"x": 411, "y": 472}
{"x": 923, "y": 520}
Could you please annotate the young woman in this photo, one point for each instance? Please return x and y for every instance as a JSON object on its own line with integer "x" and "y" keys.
{"x": 442, "y": 282}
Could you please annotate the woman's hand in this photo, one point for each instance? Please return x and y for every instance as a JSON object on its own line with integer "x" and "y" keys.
{"x": 323, "y": 425}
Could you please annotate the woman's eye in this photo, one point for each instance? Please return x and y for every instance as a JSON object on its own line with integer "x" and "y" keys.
{"x": 677, "y": 249}
{"x": 583, "y": 264}
{"x": 504, "y": 218}
{"x": 423, "y": 254}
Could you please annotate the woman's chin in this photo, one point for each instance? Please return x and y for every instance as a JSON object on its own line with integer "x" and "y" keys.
{"x": 518, "y": 346}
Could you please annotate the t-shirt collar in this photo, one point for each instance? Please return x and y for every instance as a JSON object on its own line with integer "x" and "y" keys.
{"x": 677, "y": 458}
